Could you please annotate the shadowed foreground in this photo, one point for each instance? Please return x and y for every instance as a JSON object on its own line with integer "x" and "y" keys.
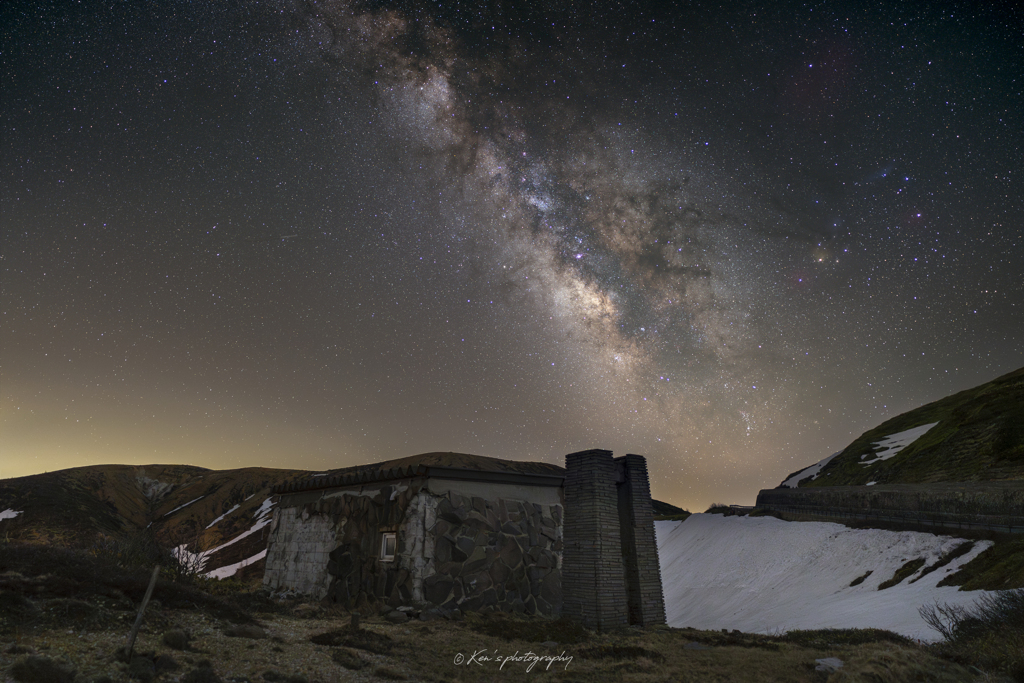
{"x": 65, "y": 614}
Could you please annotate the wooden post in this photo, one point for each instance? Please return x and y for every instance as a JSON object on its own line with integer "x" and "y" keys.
{"x": 142, "y": 609}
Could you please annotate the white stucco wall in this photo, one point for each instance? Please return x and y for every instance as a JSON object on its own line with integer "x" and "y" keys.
{"x": 298, "y": 551}
{"x": 417, "y": 545}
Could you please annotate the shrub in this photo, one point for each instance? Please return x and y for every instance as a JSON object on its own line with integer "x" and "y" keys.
{"x": 133, "y": 550}
{"x": 903, "y": 572}
{"x": 989, "y": 633}
{"x": 61, "y": 572}
{"x": 39, "y": 669}
{"x": 727, "y": 510}
{"x": 860, "y": 579}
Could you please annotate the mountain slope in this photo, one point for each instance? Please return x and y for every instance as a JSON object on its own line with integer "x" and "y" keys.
{"x": 974, "y": 435}
{"x": 213, "y": 512}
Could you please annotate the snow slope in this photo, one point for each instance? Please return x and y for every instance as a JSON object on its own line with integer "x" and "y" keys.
{"x": 811, "y": 472}
{"x": 884, "y": 449}
{"x": 764, "y": 575}
{"x": 894, "y": 443}
{"x": 263, "y": 518}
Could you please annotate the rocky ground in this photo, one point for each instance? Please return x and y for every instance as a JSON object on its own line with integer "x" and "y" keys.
{"x": 65, "y": 616}
{"x": 305, "y": 643}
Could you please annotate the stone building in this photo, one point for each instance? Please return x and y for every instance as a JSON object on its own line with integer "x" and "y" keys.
{"x": 465, "y": 532}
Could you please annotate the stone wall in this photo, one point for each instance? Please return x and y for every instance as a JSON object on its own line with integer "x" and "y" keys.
{"x": 592, "y": 570}
{"x": 966, "y": 500}
{"x": 454, "y": 551}
{"x": 639, "y": 546}
{"x": 473, "y": 542}
{"x": 610, "y": 570}
{"x": 358, "y": 576}
{"x": 496, "y": 554}
{"x": 327, "y": 544}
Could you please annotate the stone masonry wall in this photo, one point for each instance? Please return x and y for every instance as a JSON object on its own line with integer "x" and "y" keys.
{"x": 415, "y": 551}
{"x": 640, "y": 553}
{"x": 963, "y": 499}
{"x": 495, "y": 555}
{"x": 328, "y": 544}
{"x": 592, "y": 568}
{"x": 358, "y": 576}
{"x": 610, "y": 566}
{"x": 454, "y": 551}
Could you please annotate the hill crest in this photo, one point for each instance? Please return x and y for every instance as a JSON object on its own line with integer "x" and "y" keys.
{"x": 973, "y": 435}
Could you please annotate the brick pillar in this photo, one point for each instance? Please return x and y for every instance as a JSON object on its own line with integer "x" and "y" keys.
{"x": 593, "y": 586}
{"x": 646, "y": 602}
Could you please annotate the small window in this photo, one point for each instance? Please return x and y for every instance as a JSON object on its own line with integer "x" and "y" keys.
{"x": 388, "y": 542}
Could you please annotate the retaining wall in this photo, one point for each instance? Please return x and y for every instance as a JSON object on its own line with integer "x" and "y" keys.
{"x": 996, "y": 506}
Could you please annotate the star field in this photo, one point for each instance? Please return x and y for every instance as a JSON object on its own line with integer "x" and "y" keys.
{"x": 322, "y": 234}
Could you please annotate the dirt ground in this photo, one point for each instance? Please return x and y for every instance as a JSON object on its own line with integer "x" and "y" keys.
{"x": 485, "y": 648}
{"x": 65, "y": 616}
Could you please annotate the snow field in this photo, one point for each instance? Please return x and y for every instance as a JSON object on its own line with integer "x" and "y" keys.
{"x": 764, "y": 575}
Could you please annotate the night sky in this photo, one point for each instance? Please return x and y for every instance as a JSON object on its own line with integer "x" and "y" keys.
{"x": 320, "y": 234}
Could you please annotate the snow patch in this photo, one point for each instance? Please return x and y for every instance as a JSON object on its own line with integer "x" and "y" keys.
{"x": 764, "y": 575}
{"x": 263, "y": 510}
{"x": 184, "y": 506}
{"x": 222, "y": 516}
{"x": 10, "y": 513}
{"x": 230, "y": 570}
{"x": 153, "y": 489}
{"x": 894, "y": 443}
{"x": 263, "y": 518}
{"x": 262, "y": 522}
{"x": 813, "y": 471}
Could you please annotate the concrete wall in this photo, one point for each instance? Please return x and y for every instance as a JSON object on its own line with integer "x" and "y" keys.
{"x": 297, "y": 552}
{"x": 959, "y": 499}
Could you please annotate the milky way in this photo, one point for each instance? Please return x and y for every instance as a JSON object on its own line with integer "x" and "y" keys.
{"x": 316, "y": 234}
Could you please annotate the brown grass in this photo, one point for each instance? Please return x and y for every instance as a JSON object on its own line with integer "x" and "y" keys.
{"x": 85, "y": 630}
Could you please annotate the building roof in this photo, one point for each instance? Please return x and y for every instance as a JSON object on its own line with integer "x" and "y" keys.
{"x": 473, "y": 462}
{"x": 445, "y": 465}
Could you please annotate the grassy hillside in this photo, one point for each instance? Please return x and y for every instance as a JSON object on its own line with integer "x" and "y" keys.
{"x": 668, "y": 511}
{"x": 175, "y": 504}
{"x": 979, "y": 437}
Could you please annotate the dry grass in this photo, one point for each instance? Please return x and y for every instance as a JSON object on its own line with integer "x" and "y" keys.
{"x": 902, "y": 573}
{"x": 77, "y": 616}
{"x": 463, "y": 651}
